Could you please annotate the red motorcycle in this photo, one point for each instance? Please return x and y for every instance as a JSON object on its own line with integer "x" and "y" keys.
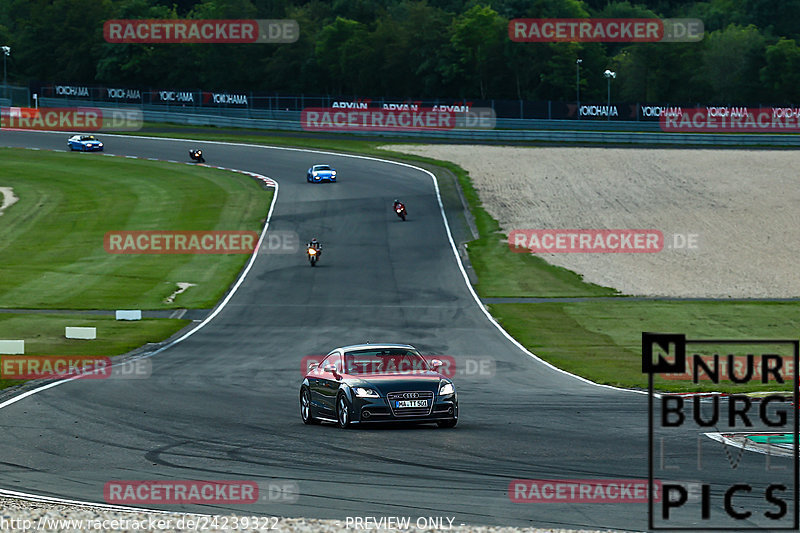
{"x": 400, "y": 209}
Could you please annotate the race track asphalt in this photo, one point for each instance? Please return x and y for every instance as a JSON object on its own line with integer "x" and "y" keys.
{"x": 223, "y": 403}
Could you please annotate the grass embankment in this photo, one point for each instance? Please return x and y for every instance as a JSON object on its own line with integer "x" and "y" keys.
{"x": 52, "y": 253}
{"x": 44, "y": 334}
{"x": 51, "y": 241}
{"x": 602, "y": 339}
{"x": 599, "y": 339}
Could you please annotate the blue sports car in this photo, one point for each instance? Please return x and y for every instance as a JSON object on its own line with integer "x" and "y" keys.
{"x": 319, "y": 173}
{"x": 85, "y": 143}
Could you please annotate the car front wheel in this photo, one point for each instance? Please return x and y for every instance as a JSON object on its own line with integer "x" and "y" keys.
{"x": 305, "y": 407}
{"x": 343, "y": 412}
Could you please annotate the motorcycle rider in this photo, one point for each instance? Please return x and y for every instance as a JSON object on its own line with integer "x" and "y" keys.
{"x": 398, "y": 203}
{"x": 315, "y": 244}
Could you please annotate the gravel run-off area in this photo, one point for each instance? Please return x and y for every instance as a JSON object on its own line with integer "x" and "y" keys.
{"x": 18, "y": 515}
{"x": 742, "y": 205}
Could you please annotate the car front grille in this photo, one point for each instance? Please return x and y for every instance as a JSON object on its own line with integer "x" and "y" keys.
{"x": 410, "y": 395}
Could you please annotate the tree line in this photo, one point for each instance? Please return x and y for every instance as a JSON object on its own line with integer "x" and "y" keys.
{"x": 418, "y": 49}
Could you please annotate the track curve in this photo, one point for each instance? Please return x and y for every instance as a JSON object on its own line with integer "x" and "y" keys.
{"x": 223, "y": 403}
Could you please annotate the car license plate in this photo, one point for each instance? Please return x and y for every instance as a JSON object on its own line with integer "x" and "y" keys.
{"x": 400, "y": 404}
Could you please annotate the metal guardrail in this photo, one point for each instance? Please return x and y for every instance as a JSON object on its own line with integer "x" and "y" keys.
{"x": 577, "y": 131}
{"x": 612, "y": 137}
{"x": 266, "y": 114}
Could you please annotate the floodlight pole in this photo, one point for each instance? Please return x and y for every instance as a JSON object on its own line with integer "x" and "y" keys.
{"x": 6, "y": 53}
{"x": 609, "y": 74}
{"x": 578, "y": 84}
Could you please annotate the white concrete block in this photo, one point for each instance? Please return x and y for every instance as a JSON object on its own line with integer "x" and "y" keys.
{"x": 8, "y": 347}
{"x": 73, "y": 332}
{"x": 132, "y": 314}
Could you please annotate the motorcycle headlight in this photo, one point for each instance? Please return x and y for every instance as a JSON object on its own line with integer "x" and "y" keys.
{"x": 446, "y": 388}
{"x": 363, "y": 392}
{"x": 312, "y": 251}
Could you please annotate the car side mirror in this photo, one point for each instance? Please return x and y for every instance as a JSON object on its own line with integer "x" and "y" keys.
{"x": 436, "y": 363}
{"x": 312, "y": 366}
{"x": 332, "y": 369}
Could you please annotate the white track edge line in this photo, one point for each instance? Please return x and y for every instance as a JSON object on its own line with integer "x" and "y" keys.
{"x": 475, "y": 296}
{"x": 449, "y": 237}
{"x": 720, "y": 437}
{"x": 202, "y": 324}
{"x": 453, "y": 247}
{"x": 67, "y": 501}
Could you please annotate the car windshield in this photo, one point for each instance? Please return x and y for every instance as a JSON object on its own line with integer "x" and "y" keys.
{"x": 88, "y": 138}
{"x": 322, "y": 167}
{"x": 384, "y": 361}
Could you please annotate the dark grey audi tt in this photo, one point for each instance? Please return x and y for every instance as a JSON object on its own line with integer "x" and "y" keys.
{"x": 378, "y": 383}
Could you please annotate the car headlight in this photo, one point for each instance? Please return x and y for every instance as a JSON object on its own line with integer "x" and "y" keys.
{"x": 362, "y": 392}
{"x": 446, "y": 388}
{"x": 333, "y": 173}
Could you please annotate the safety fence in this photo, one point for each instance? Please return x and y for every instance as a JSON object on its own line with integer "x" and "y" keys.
{"x": 507, "y": 130}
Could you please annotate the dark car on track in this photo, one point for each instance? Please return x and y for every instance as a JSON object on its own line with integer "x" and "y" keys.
{"x": 378, "y": 383}
{"x": 319, "y": 173}
{"x": 85, "y": 143}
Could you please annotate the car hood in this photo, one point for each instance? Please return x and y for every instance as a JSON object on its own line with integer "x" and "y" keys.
{"x": 323, "y": 172}
{"x": 385, "y": 383}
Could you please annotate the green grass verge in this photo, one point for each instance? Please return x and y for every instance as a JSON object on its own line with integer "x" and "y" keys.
{"x": 44, "y": 334}
{"x": 601, "y": 339}
{"x": 51, "y": 241}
